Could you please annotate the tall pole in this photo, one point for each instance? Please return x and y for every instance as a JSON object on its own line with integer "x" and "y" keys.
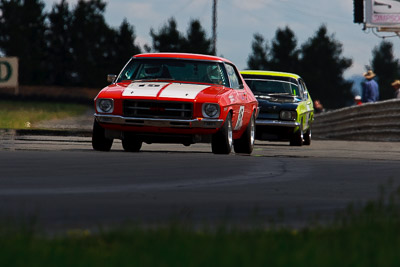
{"x": 214, "y": 26}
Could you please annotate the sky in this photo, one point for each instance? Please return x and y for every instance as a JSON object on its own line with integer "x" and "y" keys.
{"x": 239, "y": 20}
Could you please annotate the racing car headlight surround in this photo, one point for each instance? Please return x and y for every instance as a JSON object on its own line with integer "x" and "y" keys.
{"x": 211, "y": 110}
{"x": 105, "y": 105}
{"x": 288, "y": 115}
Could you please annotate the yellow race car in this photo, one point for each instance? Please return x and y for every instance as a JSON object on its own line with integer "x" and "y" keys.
{"x": 286, "y": 109}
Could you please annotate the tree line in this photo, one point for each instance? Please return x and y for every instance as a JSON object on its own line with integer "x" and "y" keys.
{"x": 74, "y": 46}
{"x": 320, "y": 62}
{"x": 65, "y": 46}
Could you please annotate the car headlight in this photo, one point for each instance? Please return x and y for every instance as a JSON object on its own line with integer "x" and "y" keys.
{"x": 105, "y": 105}
{"x": 211, "y": 110}
{"x": 288, "y": 115}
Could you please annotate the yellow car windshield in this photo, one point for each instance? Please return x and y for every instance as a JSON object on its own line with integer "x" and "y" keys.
{"x": 273, "y": 87}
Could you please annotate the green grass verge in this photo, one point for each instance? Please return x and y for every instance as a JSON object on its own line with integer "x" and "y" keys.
{"x": 358, "y": 244}
{"x": 369, "y": 236}
{"x": 24, "y": 114}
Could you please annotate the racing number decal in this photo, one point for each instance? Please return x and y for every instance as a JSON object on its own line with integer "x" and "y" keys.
{"x": 240, "y": 118}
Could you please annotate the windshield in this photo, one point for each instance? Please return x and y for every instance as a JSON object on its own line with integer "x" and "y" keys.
{"x": 174, "y": 69}
{"x": 273, "y": 87}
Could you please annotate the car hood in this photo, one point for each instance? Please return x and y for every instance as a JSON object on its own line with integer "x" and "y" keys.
{"x": 278, "y": 99}
{"x": 161, "y": 90}
{"x": 276, "y": 105}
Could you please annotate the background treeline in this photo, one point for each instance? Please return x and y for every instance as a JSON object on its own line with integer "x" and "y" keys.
{"x": 65, "y": 46}
{"x": 320, "y": 62}
{"x": 74, "y": 46}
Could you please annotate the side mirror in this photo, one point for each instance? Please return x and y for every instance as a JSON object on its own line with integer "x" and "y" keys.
{"x": 111, "y": 78}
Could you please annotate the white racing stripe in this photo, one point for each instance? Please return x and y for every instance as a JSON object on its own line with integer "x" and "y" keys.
{"x": 174, "y": 90}
{"x": 183, "y": 90}
{"x": 143, "y": 89}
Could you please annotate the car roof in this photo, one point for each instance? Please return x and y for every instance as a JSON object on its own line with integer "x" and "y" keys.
{"x": 182, "y": 56}
{"x": 270, "y": 73}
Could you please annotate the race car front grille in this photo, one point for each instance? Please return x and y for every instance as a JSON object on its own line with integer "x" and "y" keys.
{"x": 158, "y": 109}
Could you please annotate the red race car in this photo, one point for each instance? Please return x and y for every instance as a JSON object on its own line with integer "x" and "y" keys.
{"x": 176, "y": 98}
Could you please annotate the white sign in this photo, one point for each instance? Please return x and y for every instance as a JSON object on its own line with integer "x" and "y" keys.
{"x": 8, "y": 71}
{"x": 382, "y": 13}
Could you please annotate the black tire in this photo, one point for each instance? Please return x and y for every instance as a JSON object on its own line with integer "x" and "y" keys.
{"x": 245, "y": 143}
{"x": 131, "y": 144}
{"x": 297, "y": 138}
{"x": 99, "y": 140}
{"x": 222, "y": 141}
{"x": 307, "y": 137}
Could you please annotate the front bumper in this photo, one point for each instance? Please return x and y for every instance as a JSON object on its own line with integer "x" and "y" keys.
{"x": 278, "y": 123}
{"x": 156, "y": 122}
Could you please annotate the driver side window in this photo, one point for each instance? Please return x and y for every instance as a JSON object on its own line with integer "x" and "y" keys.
{"x": 233, "y": 76}
{"x": 304, "y": 89}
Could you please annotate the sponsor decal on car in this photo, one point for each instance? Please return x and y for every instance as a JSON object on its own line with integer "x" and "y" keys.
{"x": 143, "y": 89}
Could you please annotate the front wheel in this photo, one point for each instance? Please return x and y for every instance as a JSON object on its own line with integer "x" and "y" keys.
{"x": 222, "y": 141}
{"x": 131, "y": 144}
{"x": 245, "y": 143}
{"x": 297, "y": 138}
{"x": 99, "y": 140}
{"x": 307, "y": 137}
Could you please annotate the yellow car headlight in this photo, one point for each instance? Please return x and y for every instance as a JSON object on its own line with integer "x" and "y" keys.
{"x": 288, "y": 115}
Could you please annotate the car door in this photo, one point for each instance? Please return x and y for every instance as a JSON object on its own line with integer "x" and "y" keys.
{"x": 306, "y": 107}
{"x": 238, "y": 98}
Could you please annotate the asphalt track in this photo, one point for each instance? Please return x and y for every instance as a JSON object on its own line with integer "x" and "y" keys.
{"x": 61, "y": 183}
